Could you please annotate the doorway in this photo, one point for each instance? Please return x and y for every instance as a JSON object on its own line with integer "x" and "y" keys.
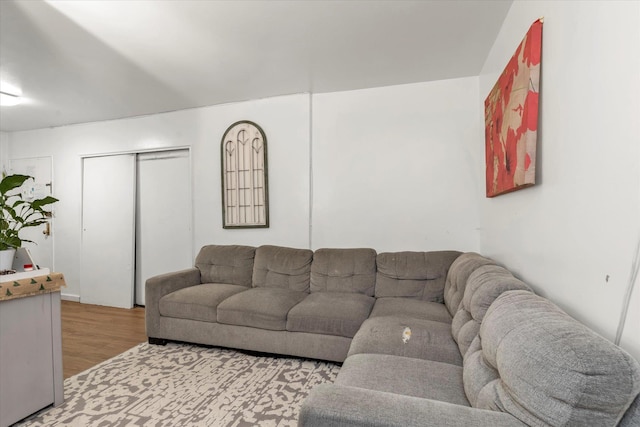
{"x": 40, "y": 238}
{"x": 137, "y": 211}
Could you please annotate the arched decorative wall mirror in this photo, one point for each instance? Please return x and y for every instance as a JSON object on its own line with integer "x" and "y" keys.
{"x": 245, "y": 195}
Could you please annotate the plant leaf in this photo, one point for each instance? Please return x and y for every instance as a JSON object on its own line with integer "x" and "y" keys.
{"x": 10, "y": 182}
{"x": 37, "y": 204}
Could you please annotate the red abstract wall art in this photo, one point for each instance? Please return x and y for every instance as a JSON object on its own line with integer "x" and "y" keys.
{"x": 511, "y": 119}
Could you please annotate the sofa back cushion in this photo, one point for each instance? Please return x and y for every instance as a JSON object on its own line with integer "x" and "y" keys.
{"x": 457, "y": 277}
{"x": 282, "y": 267}
{"x": 543, "y": 367}
{"x": 230, "y": 264}
{"x": 419, "y": 275}
{"x": 484, "y": 285}
{"x": 344, "y": 270}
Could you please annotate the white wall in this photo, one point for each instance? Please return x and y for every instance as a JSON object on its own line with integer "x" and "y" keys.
{"x": 285, "y": 121}
{"x": 4, "y": 145}
{"x": 573, "y": 236}
{"x": 393, "y": 168}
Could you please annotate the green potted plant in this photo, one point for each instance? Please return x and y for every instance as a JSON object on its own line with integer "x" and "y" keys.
{"x": 18, "y": 212}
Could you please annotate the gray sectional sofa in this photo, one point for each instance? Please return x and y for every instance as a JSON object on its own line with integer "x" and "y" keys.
{"x": 426, "y": 338}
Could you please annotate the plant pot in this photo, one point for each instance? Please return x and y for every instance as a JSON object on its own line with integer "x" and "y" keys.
{"x": 6, "y": 259}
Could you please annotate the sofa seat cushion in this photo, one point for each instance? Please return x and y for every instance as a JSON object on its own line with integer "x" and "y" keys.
{"x": 331, "y": 313}
{"x": 402, "y": 336}
{"x": 264, "y": 308}
{"x": 409, "y": 307}
{"x": 404, "y": 375}
{"x": 198, "y": 302}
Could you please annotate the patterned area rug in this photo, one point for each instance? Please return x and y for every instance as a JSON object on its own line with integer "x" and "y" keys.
{"x": 187, "y": 385}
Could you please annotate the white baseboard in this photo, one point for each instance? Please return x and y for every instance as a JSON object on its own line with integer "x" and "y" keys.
{"x": 70, "y": 297}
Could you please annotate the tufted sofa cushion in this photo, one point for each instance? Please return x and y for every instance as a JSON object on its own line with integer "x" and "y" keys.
{"x": 199, "y": 302}
{"x": 543, "y": 367}
{"x": 456, "y": 281}
{"x": 484, "y": 285}
{"x": 282, "y": 267}
{"x": 263, "y": 308}
{"x": 407, "y": 376}
{"x": 429, "y": 340}
{"x": 344, "y": 270}
{"x": 331, "y": 313}
{"x": 230, "y": 264}
{"x": 419, "y": 275}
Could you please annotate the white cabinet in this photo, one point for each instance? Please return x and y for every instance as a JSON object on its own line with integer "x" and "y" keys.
{"x": 30, "y": 356}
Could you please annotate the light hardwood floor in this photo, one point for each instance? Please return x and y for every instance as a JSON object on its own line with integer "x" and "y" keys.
{"x": 92, "y": 334}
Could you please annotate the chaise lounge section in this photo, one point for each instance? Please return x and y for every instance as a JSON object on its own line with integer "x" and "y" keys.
{"x": 530, "y": 365}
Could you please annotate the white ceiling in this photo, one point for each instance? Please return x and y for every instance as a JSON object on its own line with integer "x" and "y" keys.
{"x": 81, "y": 61}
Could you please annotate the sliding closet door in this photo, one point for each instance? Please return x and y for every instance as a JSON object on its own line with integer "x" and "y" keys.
{"x": 163, "y": 216}
{"x": 108, "y": 219}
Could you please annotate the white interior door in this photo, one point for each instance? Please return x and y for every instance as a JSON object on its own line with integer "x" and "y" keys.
{"x": 108, "y": 220}
{"x": 42, "y": 236}
{"x": 163, "y": 216}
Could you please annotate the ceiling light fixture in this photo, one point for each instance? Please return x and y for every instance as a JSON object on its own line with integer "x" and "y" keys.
{"x": 9, "y": 94}
{"x": 8, "y": 99}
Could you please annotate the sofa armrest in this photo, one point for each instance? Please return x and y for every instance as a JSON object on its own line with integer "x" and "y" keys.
{"x": 158, "y": 286}
{"x": 632, "y": 416}
{"x": 335, "y": 405}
